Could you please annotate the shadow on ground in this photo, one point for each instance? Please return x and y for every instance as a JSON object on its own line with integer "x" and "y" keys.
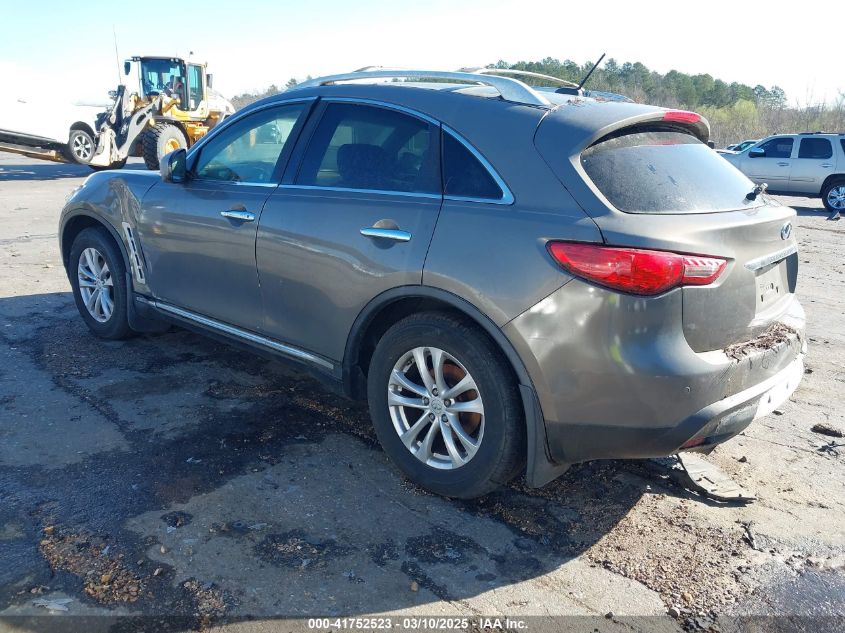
{"x": 45, "y": 171}
{"x": 173, "y": 475}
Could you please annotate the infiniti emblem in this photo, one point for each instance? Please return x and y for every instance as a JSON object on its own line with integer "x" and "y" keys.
{"x": 786, "y": 231}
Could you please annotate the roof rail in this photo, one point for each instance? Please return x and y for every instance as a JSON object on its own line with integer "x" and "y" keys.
{"x": 510, "y": 89}
{"x": 520, "y": 73}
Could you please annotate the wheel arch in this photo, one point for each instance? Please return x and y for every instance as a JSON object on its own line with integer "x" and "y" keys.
{"x": 78, "y": 221}
{"x": 85, "y": 127}
{"x": 829, "y": 180}
{"x": 397, "y": 303}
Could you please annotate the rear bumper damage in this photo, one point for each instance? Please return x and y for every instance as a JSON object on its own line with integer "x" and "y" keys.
{"x": 615, "y": 377}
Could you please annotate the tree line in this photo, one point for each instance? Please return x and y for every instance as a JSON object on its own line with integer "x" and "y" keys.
{"x": 736, "y": 111}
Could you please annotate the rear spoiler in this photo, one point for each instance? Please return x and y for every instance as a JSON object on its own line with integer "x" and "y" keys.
{"x": 578, "y": 124}
{"x": 684, "y": 119}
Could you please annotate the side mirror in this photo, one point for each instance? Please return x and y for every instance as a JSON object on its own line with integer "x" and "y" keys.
{"x": 126, "y": 68}
{"x": 209, "y": 80}
{"x": 757, "y": 152}
{"x": 173, "y": 166}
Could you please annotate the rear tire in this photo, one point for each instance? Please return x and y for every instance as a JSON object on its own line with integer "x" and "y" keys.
{"x": 80, "y": 146}
{"x": 490, "y": 445}
{"x": 160, "y": 141}
{"x": 98, "y": 277}
{"x": 833, "y": 195}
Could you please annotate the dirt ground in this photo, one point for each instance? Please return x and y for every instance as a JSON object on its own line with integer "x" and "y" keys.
{"x": 171, "y": 482}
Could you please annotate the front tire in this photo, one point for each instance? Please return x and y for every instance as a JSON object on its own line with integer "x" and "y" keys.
{"x": 81, "y": 147}
{"x": 833, "y": 196}
{"x": 456, "y": 428}
{"x": 160, "y": 141}
{"x": 98, "y": 276}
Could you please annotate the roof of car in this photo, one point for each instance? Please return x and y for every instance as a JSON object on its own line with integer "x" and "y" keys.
{"x": 449, "y": 101}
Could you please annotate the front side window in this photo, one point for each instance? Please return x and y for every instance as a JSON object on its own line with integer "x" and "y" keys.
{"x": 464, "y": 176}
{"x": 644, "y": 170}
{"x": 818, "y": 148}
{"x": 778, "y": 147}
{"x": 249, "y": 151}
{"x": 357, "y": 146}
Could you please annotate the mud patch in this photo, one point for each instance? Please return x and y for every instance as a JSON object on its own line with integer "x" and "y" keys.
{"x": 382, "y": 553}
{"x": 210, "y": 602}
{"x": 694, "y": 568}
{"x": 176, "y": 519}
{"x": 775, "y": 336}
{"x": 442, "y": 546}
{"x": 104, "y": 575}
{"x": 297, "y": 550}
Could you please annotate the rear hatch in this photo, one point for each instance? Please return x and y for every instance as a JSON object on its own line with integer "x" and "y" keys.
{"x": 649, "y": 181}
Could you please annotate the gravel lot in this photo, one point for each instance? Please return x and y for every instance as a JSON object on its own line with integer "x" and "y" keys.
{"x": 175, "y": 482}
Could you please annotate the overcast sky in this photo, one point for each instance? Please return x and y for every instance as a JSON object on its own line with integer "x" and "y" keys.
{"x": 251, "y": 44}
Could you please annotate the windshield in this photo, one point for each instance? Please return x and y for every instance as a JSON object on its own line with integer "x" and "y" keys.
{"x": 665, "y": 171}
{"x": 162, "y": 75}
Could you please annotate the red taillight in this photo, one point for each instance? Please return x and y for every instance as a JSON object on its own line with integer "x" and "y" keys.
{"x": 633, "y": 270}
{"x": 682, "y": 116}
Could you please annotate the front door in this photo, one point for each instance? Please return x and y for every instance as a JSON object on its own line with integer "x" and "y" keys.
{"x": 198, "y": 237}
{"x": 774, "y": 166}
{"x": 355, "y": 220}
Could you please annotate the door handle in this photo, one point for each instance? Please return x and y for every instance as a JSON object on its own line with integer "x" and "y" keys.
{"x": 396, "y": 235}
{"x": 783, "y": 164}
{"x": 240, "y": 216}
{"x": 826, "y": 165}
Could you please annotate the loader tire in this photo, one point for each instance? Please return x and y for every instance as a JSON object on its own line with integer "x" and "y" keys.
{"x": 116, "y": 165}
{"x": 160, "y": 141}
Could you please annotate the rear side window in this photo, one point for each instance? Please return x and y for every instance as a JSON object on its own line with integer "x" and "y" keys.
{"x": 359, "y": 146}
{"x": 463, "y": 174}
{"x": 662, "y": 171}
{"x": 815, "y": 148}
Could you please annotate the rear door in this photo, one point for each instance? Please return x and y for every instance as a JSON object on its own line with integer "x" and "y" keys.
{"x": 354, "y": 220}
{"x": 774, "y": 166}
{"x": 812, "y": 165}
{"x": 198, "y": 237}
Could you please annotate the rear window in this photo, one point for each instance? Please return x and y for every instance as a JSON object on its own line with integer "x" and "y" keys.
{"x": 663, "y": 171}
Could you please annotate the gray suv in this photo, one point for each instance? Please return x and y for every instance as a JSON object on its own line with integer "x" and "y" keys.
{"x": 810, "y": 164}
{"x": 515, "y": 279}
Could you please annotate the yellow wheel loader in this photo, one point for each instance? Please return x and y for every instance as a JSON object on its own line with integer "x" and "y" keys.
{"x": 167, "y": 103}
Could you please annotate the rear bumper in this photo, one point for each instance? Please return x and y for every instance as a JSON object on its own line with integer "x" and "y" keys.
{"x": 616, "y": 378}
{"x": 701, "y": 431}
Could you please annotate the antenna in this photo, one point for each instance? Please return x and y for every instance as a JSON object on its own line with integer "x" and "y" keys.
{"x": 116, "y": 56}
{"x": 587, "y": 76}
{"x": 576, "y": 90}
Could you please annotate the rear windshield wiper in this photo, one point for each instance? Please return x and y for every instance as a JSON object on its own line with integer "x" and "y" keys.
{"x": 761, "y": 188}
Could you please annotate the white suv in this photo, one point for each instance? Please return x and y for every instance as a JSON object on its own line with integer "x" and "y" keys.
{"x": 808, "y": 164}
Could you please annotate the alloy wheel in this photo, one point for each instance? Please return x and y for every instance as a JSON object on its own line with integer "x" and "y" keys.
{"x": 82, "y": 147}
{"x": 436, "y": 408}
{"x": 836, "y": 198}
{"x": 96, "y": 285}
